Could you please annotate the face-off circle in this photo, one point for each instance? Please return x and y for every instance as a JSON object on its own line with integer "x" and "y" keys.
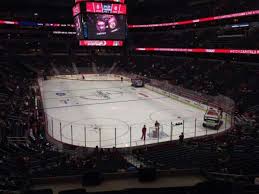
{"x": 94, "y": 125}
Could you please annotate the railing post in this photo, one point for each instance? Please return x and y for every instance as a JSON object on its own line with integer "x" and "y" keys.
{"x": 85, "y": 134}
{"x": 52, "y": 130}
{"x": 158, "y": 134}
{"x": 232, "y": 119}
{"x": 72, "y": 135}
{"x": 183, "y": 126}
{"x": 47, "y": 122}
{"x": 226, "y": 121}
{"x": 195, "y": 127}
{"x": 115, "y": 138}
{"x": 171, "y": 135}
{"x": 100, "y": 138}
{"x": 130, "y": 138}
{"x": 60, "y": 129}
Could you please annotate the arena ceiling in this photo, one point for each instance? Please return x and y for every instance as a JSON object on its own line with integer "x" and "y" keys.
{"x": 69, "y": 3}
{"x": 61, "y": 9}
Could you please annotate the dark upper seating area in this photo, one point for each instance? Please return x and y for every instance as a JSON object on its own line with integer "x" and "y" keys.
{"x": 168, "y": 11}
{"x": 204, "y": 36}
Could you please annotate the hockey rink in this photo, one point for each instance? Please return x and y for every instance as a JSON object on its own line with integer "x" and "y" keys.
{"x": 112, "y": 113}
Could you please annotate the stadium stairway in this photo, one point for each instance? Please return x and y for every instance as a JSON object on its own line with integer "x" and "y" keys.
{"x": 134, "y": 161}
{"x": 242, "y": 120}
{"x": 55, "y": 69}
{"x": 112, "y": 68}
{"x": 94, "y": 68}
{"x": 75, "y": 68}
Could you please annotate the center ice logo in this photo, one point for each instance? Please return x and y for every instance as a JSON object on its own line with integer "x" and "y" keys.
{"x": 103, "y": 94}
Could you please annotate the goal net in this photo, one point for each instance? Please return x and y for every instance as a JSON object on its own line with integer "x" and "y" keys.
{"x": 154, "y": 133}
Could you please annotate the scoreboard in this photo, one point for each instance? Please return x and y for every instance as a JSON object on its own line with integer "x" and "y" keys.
{"x": 113, "y": 1}
{"x": 94, "y": 7}
{"x": 100, "y": 23}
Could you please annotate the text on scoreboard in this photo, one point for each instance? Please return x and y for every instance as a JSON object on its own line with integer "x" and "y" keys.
{"x": 112, "y": 8}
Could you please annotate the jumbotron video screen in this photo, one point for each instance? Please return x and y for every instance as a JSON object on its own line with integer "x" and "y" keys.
{"x": 106, "y": 26}
{"x": 100, "y": 21}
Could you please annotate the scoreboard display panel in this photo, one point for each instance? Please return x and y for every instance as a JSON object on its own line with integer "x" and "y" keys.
{"x": 100, "y": 21}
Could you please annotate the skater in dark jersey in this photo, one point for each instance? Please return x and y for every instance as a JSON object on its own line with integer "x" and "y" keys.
{"x": 144, "y": 132}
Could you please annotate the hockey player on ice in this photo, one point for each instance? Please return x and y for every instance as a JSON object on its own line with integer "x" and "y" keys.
{"x": 157, "y": 127}
{"x": 144, "y": 132}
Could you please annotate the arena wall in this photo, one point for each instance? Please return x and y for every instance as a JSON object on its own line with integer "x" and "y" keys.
{"x": 91, "y": 77}
{"x": 178, "y": 98}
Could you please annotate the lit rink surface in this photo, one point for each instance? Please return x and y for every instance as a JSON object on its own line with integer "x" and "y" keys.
{"x": 112, "y": 113}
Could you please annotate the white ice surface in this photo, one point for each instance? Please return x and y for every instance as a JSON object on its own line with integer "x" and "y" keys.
{"x": 86, "y": 113}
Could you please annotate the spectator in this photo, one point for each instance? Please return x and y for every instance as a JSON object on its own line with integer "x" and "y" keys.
{"x": 181, "y": 138}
